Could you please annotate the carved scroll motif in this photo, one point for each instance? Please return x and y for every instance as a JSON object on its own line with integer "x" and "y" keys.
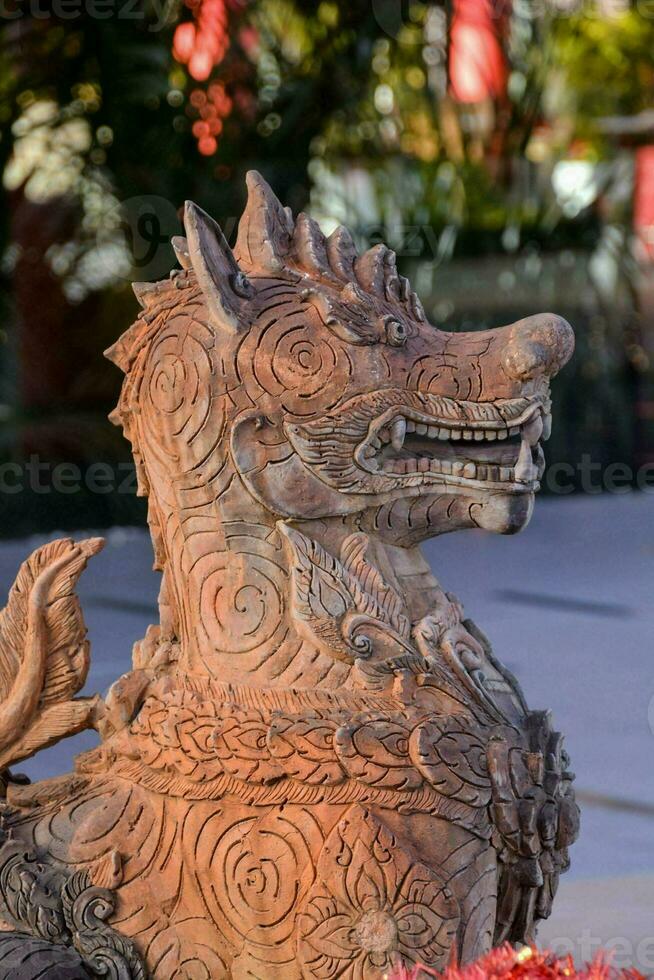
{"x": 204, "y": 748}
{"x": 42, "y": 899}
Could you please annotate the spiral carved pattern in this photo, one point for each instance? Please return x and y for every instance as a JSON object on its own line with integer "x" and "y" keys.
{"x": 179, "y": 386}
{"x": 260, "y": 869}
{"x": 179, "y": 954}
{"x": 297, "y": 361}
{"x": 241, "y": 606}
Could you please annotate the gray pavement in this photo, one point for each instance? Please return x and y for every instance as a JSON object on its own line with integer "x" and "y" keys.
{"x": 568, "y": 607}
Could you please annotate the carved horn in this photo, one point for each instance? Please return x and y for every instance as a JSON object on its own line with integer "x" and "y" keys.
{"x": 342, "y": 253}
{"x": 264, "y": 231}
{"x": 222, "y": 282}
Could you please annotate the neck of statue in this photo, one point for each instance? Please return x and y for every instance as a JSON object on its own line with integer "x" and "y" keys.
{"x": 234, "y": 590}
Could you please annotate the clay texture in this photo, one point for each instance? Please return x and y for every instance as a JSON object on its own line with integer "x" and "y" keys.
{"x": 316, "y": 767}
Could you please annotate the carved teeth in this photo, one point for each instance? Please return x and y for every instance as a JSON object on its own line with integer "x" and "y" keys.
{"x": 525, "y": 471}
{"x": 398, "y": 432}
{"x": 533, "y": 430}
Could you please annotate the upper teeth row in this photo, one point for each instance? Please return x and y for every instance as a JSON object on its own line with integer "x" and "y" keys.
{"x": 396, "y": 432}
{"x": 525, "y": 470}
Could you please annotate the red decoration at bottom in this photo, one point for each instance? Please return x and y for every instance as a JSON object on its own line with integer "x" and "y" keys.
{"x": 528, "y": 963}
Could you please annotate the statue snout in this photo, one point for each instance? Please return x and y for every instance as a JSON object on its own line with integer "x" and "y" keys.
{"x": 537, "y": 346}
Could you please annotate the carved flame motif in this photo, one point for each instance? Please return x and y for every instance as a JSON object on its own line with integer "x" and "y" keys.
{"x": 44, "y": 656}
{"x": 317, "y": 766}
{"x": 335, "y": 600}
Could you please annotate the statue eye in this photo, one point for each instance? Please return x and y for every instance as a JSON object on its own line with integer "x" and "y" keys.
{"x": 396, "y": 333}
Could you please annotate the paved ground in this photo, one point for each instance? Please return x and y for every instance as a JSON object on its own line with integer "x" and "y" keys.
{"x": 568, "y": 606}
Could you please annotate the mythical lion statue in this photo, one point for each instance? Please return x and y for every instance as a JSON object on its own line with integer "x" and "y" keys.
{"x": 316, "y": 768}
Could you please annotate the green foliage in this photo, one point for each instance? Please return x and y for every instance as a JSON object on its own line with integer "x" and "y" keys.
{"x": 607, "y": 63}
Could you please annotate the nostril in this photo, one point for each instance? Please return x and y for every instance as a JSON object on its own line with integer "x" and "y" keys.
{"x": 538, "y": 345}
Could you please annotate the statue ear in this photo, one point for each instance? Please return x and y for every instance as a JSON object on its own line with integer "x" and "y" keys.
{"x": 225, "y": 287}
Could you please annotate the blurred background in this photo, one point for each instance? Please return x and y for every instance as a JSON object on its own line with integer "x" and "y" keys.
{"x": 505, "y": 149}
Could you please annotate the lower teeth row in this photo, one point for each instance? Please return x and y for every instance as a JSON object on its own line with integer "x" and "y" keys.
{"x": 471, "y": 471}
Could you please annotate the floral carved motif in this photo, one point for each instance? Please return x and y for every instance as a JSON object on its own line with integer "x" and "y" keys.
{"x": 371, "y": 904}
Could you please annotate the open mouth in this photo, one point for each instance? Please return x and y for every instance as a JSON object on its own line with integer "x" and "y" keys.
{"x": 509, "y": 456}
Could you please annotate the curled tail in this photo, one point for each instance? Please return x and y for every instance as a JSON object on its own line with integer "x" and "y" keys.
{"x": 44, "y": 653}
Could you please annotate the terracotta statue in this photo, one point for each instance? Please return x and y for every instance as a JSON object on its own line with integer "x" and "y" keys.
{"x": 317, "y": 768}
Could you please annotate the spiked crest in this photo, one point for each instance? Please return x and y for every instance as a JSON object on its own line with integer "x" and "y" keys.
{"x": 269, "y": 243}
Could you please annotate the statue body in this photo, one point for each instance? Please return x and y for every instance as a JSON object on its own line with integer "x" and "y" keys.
{"x": 316, "y": 768}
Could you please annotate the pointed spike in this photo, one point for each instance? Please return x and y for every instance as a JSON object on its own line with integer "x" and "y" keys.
{"x": 126, "y": 348}
{"x": 215, "y": 267}
{"x": 369, "y": 269}
{"x": 391, "y": 278}
{"x": 410, "y": 299}
{"x": 417, "y": 308}
{"x": 309, "y": 247}
{"x": 353, "y": 294}
{"x": 116, "y": 354}
{"x": 180, "y": 246}
{"x": 144, "y": 291}
{"x": 342, "y": 253}
{"x": 264, "y": 231}
{"x": 405, "y": 289}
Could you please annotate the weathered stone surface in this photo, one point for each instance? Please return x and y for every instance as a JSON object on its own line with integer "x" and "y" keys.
{"x": 317, "y": 765}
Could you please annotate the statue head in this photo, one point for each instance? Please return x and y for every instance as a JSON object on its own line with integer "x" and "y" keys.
{"x": 313, "y": 374}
